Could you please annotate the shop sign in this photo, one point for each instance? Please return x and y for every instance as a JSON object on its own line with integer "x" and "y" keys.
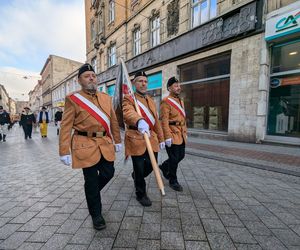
{"x": 276, "y": 82}
{"x": 279, "y": 25}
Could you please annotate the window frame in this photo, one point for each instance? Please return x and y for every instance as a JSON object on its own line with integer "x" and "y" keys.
{"x": 93, "y": 30}
{"x": 209, "y": 12}
{"x": 112, "y": 55}
{"x": 111, "y": 11}
{"x": 136, "y": 42}
{"x": 94, "y": 65}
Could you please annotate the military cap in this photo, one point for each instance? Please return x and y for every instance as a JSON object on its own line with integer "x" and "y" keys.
{"x": 85, "y": 67}
{"x": 43, "y": 107}
{"x": 171, "y": 81}
{"x": 27, "y": 108}
{"x": 140, "y": 73}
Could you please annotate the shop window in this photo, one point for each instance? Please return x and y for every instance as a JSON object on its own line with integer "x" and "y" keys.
{"x": 206, "y": 97}
{"x": 202, "y": 11}
{"x": 284, "y": 99}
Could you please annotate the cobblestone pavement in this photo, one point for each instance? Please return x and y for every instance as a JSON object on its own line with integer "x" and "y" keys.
{"x": 223, "y": 206}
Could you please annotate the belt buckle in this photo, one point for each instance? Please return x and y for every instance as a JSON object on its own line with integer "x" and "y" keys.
{"x": 99, "y": 134}
{"x": 89, "y": 134}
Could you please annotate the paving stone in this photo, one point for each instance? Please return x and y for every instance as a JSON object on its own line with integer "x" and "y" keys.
{"x": 190, "y": 219}
{"x": 134, "y": 211}
{"x": 220, "y": 241}
{"x": 119, "y": 205}
{"x": 151, "y": 217}
{"x": 148, "y": 244}
{"x": 57, "y": 241}
{"x": 203, "y": 203}
{"x": 79, "y": 214}
{"x": 223, "y": 209}
{"x": 196, "y": 245}
{"x": 131, "y": 223}
{"x": 171, "y": 225}
{"x": 269, "y": 242}
{"x": 240, "y": 235}
{"x": 23, "y": 217}
{"x": 172, "y": 240}
{"x": 47, "y": 212}
{"x": 287, "y": 237}
{"x": 246, "y": 215}
{"x": 296, "y": 229}
{"x": 70, "y": 226}
{"x": 272, "y": 222}
{"x": 14, "y": 212}
{"x": 185, "y": 207}
{"x": 43, "y": 234}
{"x": 230, "y": 220}
{"x": 113, "y": 216}
{"x": 31, "y": 246}
{"x": 213, "y": 226}
{"x": 38, "y": 206}
{"x": 166, "y": 202}
{"x": 207, "y": 213}
{"x": 76, "y": 247}
{"x": 4, "y": 220}
{"x": 155, "y": 207}
{"x": 56, "y": 219}
{"x": 111, "y": 231}
{"x": 150, "y": 231}
{"x": 8, "y": 229}
{"x": 193, "y": 232}
{"x": 248, "y": 247}
{"x": 170, "y": 213}
{"x": 257, "y": 228}
{"x": 83, "y": 236}
{"x": 33, "y": 225}
{"x": 126, "y": 238}
{"x": 15, "y": 240}
{"x": 68, "y": 208}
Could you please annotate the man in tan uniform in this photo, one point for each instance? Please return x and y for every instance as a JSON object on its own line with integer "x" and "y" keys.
{"x": 135, "y": 145}
{"x": 172, "y": 117}
{"x": 94, "y": 141}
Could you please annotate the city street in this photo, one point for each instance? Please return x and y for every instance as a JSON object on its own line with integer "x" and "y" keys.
{"x": 223, "y": 206}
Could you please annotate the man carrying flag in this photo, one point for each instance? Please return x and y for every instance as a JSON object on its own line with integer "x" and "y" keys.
{"x": 137, "y": 125}
{"x": 94, "y": 141}
{"x": 172, "y": 117}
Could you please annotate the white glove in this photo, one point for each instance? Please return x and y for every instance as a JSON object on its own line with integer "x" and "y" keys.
{"x": 118, "y": 147}
{"x": 66, "y": 159}
{"x": 143, "y": 127}
{"x": 162, "y": 145}
{"x": 169, "y": 142}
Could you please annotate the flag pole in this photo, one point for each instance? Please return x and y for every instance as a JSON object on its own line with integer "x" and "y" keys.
{"x": 148, "y": 144}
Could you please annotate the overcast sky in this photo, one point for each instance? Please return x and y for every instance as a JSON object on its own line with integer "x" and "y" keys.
{"x": 30, "y": 31}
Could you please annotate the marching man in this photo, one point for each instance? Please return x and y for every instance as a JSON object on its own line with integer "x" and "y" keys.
{"x": 174, "y": 127}
{"x": 135, "y": 145}
{"x": 95, "y": 139}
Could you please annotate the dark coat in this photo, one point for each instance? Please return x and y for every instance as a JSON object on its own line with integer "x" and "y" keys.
{"x": 27, "y": 119}
{"x": 41, "y": 116}
{"x": 4, "y": 118}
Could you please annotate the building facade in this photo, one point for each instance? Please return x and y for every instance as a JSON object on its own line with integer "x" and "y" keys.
{"x": 216, "y": 48}
{"x": 63, "y": 88}
{"x": 55, "y": 69}
{"x": 4, "y": 98}
{"x": 35, "y": 102}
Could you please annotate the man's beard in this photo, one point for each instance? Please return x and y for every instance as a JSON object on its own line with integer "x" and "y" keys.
{"x": 91, "y": 87}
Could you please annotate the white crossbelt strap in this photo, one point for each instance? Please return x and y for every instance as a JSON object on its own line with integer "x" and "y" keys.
{"x": 145, "y": 111}
{"x": 177, "y": 106}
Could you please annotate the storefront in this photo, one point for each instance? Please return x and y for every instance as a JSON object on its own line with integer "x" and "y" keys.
{"x": 205, "y": 87}
{"x": 283, "y": 37}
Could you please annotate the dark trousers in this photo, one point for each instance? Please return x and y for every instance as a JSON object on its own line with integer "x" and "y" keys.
{"x": 176, "y": 154}
{"x": 27, "y": 130}
{"x": 95, "y": 178}
{"x": 142, "y": 167}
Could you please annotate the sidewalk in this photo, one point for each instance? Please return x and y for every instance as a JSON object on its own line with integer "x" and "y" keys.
{"x": 281, "y": 159}
{"x": 223, "y": 206}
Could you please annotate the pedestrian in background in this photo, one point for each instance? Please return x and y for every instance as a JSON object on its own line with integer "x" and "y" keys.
{"x": 4, "y": 123}
{"x": 27, "y": 120}
{"x": 173, "y": 122}
{"x": 57, "y": 119}
{"x": 137, "y": 125}
{"x": 43, "y": 121}
{"x": 94, "y": 141}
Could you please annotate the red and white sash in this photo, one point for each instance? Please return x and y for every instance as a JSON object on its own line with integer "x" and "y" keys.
{"x": 147, "y": 114}
{"x": 176, "y": 105}
{"x": 93, "y": 110}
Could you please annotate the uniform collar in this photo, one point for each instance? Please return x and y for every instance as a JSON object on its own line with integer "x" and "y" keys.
{"x": 140, "y": 94}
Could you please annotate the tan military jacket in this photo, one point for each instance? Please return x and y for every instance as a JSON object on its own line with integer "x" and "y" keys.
{"x": 168, "y": 113}
{"x": 87, "y": 151}
{"x": 134, "y": 140}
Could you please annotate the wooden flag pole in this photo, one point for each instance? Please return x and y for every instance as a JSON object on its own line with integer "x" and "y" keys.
{"x": 148, "y": 145}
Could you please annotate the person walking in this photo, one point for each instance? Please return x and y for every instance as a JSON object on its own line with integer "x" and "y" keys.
{"x": 94, "y": 141}
{"x": 135, "y": 145}
{"x": 4, "y": 123}
{"x": 27, "y": 120}
{"x": 43, "y": 119}
{"x": 172, "y": 117}
{"x": 57, "y": 119}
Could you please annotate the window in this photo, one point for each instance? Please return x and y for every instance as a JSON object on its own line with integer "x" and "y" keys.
{"x": 112, "y": 58}
{"x": 202, "y": 11}
{"x": 111, "y": 11}
{"x": 94, "y": 64}
{"x": 93, "y": 31}
{"x": 155, "y": 31}
{"x": 206, "y": 97}
{"x": 100, "y": 28}
{"x": 136, "y": 42}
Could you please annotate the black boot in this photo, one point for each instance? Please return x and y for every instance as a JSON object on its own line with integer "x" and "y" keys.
{"x": 175, "y": 186}
{"x": 57, "y": 132}
{"x": 0, "y": 137}
{"x": 99, "y": 222}
{"x": 144, "y": 201}
{"x": 4, "y": 137}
